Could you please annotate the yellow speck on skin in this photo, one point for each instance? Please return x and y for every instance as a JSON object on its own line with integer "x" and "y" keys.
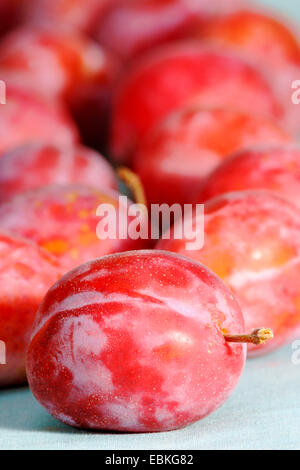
{"x": 167, "y": 352}
{"x": 57, "y": 247}
{"x": 72, "y": 196}
{"x": 38, "y": 204}
{"x": 218, "y": 319}
{"x": 87, "y": 238}
{"x": 84, "y": 214}
{"x": 224, "y": 331}
{"x": 84, "y": 228}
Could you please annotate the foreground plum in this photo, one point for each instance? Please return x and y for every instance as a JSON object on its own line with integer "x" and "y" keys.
{"x": 32, "y": 166}
{"x": 64, "y": 221}
{"x": 274, "y": 168}
{"x": 269, "y": 42}
{"x": 64, "y": 66}
{"x": 25, "y": 119}
{"x": 175, "y": 158}
{"x": 26, "y": 273}
{"x": 135, "y": 342}
{"x": 184, "y": 74}
{"x": 131, "y": 27}
{"x": 252, "y": 241}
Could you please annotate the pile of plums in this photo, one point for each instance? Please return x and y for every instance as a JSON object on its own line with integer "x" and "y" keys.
{"x": 189, "y": 103}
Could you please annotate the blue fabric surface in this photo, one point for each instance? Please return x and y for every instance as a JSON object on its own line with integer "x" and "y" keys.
{"x": 262, "y": 413}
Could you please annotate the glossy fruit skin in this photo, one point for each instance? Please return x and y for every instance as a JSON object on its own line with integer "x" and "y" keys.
{"x": 276, "y": 169}
{"x": 135, "y": 342}
{"x": 63, "y": 14}
{"x": 26, "y": 273}
{"x": 63, "y": 220}
{"x": 256, "y": 32}
{"x": 36, "y": 165}
{"x": 177, "y": 156}
{"x": 64, "y": 66}
{"x": 252, "y": 242}
{"x": 25, "y": 118}
{"x": 270, "y": 43}
{"x": 130, "y": 28}
{"x": 173, "y": 76}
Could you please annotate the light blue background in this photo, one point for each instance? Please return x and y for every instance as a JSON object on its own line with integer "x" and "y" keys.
{"x": 263, "y": 412}
{"x": 289, "y": 7}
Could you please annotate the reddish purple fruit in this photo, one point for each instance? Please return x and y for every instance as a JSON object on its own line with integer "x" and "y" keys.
{"x": 36, "y": 165}
{"x": 119, "y": 345}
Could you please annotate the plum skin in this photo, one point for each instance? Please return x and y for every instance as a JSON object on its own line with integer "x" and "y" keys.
{"x": 153, "y": 88}
{"x": 252, "y": 242}
{"x": 206, "y": 138}
{"x": 26, "y": 273}
{"x": 131, "y": 28}
{"x": 276, "y": 169}
{"x": 63, "y": 14}
{"x": 32, "y": 166}
{"x": 62, "y": 219}
{"x": 66, "y": 67}
{"x": 27, "y": 118}
{"x": 269, "y": 43}
{"x": 119, "y": 344}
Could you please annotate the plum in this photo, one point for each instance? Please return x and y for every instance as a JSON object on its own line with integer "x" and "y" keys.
{"x": 26, "y": 273}
{"x": 63, "y": 14}
{"x": 135, "y": 342}
{"x": 252, "y": 241}
{"x": 25, "y": 119}
{"x": 269, "y": 42}
{"x": 276, "y": 169}
{"x": 63, "y": 66}
{"x": 174, "y": 159}
{"x": 64, "y": 221}
{"x": 132, "y": 27}
{"x": 184, "y": 74}
{"x": 32, "y": 166}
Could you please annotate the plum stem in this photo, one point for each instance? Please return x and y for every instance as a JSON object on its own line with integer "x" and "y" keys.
{"x": 259, "y": 336}
{"x": 133, "y": 181}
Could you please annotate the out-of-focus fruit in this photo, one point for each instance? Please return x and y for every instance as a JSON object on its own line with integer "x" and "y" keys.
{"x": 64, "y": 14}
{"x": 63, "y": 220}
{"x": 274, "y": 168}
{"x": 131, "y": 27}
{"x": 119, "y": 345}
{"x": 62, "y": 66}
{"x": 189, "y": 144}
{"x": 32, "y": 166}
{"x": 184, "y": 74}
{"x": 24, "y": 119}
{"x": 26, "y": 273}
{"x": 252, "y": 241}
{"x": 269, "y": 43}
